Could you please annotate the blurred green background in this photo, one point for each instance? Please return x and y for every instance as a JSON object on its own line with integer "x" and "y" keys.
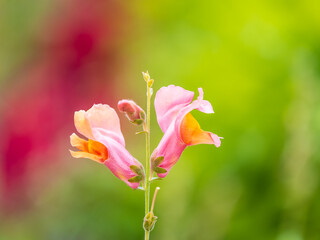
{"x": 259, "y": 65}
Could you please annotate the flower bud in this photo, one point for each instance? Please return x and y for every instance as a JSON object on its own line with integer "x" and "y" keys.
{"x": 146, "y": 76}
{"x": 133, "y": 112}
{"x": 150, "y": 83}
{"x": 149, "y": 221}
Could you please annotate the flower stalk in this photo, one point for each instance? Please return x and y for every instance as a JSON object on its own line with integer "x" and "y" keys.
{"x": 148, "y": 164}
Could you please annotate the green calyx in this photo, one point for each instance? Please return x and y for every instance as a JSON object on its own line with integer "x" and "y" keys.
{"x": 140, "y": 174}
{"x": 149, "y": 221}
{"x": 142, "y": 115}
{"x": 135, "y": 179}
{"x": 138, "y": 121}
{"x": 155, "y": 165}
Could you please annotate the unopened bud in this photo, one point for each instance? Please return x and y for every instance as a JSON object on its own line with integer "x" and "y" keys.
{"x": 146, "y": 76}
{"x": 150, "y": 82}
{"x": 133, "y": 112}
{"x": 149, "y": 221}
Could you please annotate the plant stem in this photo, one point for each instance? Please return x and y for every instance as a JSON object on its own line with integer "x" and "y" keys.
{"x": 147, "y": 177}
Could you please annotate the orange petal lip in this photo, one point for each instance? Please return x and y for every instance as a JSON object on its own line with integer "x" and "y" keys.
{"x": 80, "y": 154}
{"x": 190, "y": 131}
{"x": 88, "y": 149}
{"x": 192, "y": 134}
{"x": 78, "y": 142}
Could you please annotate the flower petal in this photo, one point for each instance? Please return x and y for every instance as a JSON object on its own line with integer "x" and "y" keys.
{"x": 192, "y": 134}
{"x": 183, "y": 129}
{"x": 199, "y": 104}
{"x": 119, "y": 160}
{"x": 171, "y": 148}
{"x": 98, "y": 149}
{"x": 168, "y": 102}
{"x": 82, "y": 124}
{"x": 78, "y": 142}
{"x": 86, "y": 155}
{"x": 99, "y": 116}
{"x": 104, "y": 117}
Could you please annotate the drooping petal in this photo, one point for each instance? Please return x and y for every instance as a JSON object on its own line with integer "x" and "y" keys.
{"x": 199, "y": 104}
{"x": 78, "y": 142}
{"x": 119, "y": 159}
{"x": 192, "y": 134}
{"x": 204, "y": 106}
{"x": 81, "y": 154}
{"x": 88, "y": 149}
{"x": 168, "y": 102}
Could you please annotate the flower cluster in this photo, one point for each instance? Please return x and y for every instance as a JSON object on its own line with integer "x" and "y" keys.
{"x": 105, "y": 143}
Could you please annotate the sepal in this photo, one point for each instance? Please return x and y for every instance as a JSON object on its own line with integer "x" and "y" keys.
{"x": 137, "y": 121}
{"x": 137, "y": 170}
{"x": 140, "y": 174}
{"x": 135, "y": 179}
{"x": 155, "y": 165}
{"x": 159, "y": 170}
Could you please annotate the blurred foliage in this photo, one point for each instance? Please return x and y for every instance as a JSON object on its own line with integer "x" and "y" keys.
{"x": 259, "y": 64}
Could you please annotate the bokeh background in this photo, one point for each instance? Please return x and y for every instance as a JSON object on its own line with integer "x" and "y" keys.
{"x": 258, "y": 63}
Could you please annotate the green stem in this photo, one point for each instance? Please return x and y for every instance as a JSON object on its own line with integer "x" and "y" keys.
{"x": 147, "y": 177}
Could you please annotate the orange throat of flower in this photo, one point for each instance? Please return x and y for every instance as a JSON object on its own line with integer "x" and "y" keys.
{"x": 191, "y": 133}
{"x": 89, "y": 149}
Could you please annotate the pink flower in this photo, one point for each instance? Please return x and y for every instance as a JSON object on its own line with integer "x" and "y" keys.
{"x": 173, "y": 106}
{"x": 133, "y": 112}
{"x": 105, "y": 144}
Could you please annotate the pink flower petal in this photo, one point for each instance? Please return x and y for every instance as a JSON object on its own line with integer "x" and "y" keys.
{"x": 168, "y": 102}
{"x": 172, "y": 108}
{"x": 171, "y": 148}
{"x": 101, "y": 125}
{"x": 119, "y": 160}
{"x": 99, "y": 116}
{"x": 199, "y": 104}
